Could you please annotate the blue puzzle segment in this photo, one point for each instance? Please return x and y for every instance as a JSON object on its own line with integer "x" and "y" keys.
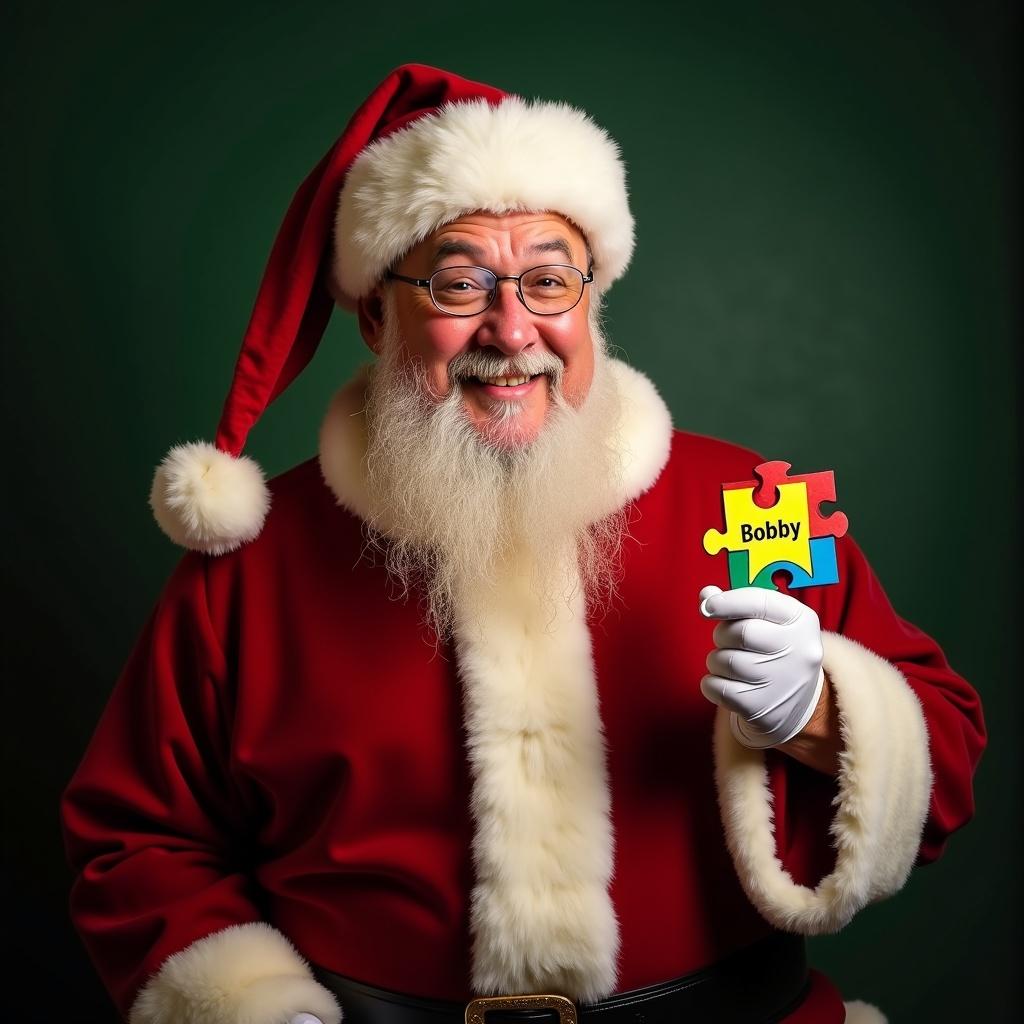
{"x": 824, "y": 568}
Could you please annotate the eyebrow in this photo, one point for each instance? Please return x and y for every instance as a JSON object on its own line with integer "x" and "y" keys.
{"x": 454, "y": 247}
{"x": 554, "y": 245}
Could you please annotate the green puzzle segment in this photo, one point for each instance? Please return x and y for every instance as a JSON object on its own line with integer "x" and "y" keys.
{"x": 739, "y": 571}
{"x": 824, "y": 568}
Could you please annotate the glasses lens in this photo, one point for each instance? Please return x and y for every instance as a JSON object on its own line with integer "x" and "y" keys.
{"x": 552, "y": 289}
{"x": 462, "y": 291}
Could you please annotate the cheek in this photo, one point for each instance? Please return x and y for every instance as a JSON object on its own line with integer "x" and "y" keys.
{"x": 435, "y": 343}
{"x": 578, "y": 356}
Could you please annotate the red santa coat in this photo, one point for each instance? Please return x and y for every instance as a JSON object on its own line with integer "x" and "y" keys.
{"x": 288, "y": 744}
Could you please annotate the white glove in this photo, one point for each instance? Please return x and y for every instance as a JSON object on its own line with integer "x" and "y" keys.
{"x": 766, "y": 666}
{"x": 305, "y": 1018}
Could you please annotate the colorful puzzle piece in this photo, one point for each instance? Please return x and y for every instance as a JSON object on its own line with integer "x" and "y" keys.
{"x": 775, "y": 523}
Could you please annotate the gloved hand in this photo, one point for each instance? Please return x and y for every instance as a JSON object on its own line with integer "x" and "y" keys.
{"x": 766, "y": 666}
{"x": 305, "y": 1018}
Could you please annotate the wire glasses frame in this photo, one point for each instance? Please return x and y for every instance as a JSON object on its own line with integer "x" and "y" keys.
{"x": 550, "y": 289}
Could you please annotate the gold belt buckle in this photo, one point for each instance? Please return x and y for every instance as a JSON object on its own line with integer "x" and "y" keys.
{"x": 565, "y": 1008}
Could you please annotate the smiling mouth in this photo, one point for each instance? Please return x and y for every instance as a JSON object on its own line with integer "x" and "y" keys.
{"x": 506, "y": 382}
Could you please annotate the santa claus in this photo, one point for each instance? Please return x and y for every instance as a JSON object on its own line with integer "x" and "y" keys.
{"x": 452, "y": 721}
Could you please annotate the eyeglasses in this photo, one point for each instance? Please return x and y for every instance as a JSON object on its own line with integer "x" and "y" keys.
{"x": 467, "y": 291}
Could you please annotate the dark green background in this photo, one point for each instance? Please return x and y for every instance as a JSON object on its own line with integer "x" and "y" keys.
{"x": 824, "y": 268}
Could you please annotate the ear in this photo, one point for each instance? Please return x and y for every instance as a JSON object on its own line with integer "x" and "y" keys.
{"x": 370, "y": 310}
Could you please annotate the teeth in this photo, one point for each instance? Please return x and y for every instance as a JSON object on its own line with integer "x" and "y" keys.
{"x": 505, "y": 382}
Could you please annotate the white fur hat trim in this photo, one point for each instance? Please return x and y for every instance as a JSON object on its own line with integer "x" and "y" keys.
{"x": 474, "y": 156}
{"x": 207, "y": 500}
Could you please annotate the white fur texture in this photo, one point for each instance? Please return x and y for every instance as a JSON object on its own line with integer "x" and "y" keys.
{"x": 643, "y": 435}
{"x": 863, "y": 1013}
{"x": 207, "y": 500}
{"x": 471, "y": 156}
{"x": 884, "y": 786}
{"x": 343, "y": 442}
{"x": 541, "y": 914}
{"x": 244, "y": 974}
{"x": 644, "y": 432}
{"x": 542, "y": 919}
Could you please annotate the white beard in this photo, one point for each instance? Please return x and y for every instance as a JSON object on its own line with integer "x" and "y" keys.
{"x": 451, "y": 511}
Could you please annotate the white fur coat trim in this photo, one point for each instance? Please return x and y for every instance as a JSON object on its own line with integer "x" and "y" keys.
{"x": 541, "y": 915}
{"x": 244, "y": 974}
{"x": 472, "y": 156}
{"x": 885, "y": 783}
{"x": 864, "y": 1013}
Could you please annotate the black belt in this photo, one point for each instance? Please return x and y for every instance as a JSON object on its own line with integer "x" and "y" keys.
{"x": 758, "y": 985}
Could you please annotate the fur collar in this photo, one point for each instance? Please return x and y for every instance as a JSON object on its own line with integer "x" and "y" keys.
{"x": 644, "y": 435}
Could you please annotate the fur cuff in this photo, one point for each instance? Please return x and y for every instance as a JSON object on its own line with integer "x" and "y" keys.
{"x": 885, "y": 782}
{"x": 863, "y": 1013}
{"x": 245, "y": 974}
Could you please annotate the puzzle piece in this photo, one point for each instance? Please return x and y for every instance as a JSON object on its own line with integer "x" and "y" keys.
{"x": 777, "y": 534}
{"x": 824, "y": 568}
{"x": 774, "y": 523}
{"x": 820, "y": 487}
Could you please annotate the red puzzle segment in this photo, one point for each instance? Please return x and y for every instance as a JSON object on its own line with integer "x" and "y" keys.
{"x": 820, "y": 487}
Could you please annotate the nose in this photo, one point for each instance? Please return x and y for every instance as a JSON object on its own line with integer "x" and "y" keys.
{"x": 507, "y": 324}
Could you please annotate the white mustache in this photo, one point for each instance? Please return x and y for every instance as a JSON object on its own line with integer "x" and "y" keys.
{"x": 526, "y": 364}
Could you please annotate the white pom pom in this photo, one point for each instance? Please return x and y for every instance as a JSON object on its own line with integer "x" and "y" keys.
{"x": 207, "y": 500}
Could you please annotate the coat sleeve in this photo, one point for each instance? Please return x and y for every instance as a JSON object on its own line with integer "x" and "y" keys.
{"x": 157, "y": 835}
{"x": 810, "y": 850}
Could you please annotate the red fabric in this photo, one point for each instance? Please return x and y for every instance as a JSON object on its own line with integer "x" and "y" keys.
{"x": 293, "y": 306}
{"x": 285, "y": 744}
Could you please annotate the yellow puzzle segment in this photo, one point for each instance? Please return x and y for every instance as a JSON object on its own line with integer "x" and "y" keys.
{"x": 777, "y": 534}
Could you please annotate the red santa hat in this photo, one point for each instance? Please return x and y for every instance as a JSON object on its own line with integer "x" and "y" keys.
{"x": 426, "y": 148}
